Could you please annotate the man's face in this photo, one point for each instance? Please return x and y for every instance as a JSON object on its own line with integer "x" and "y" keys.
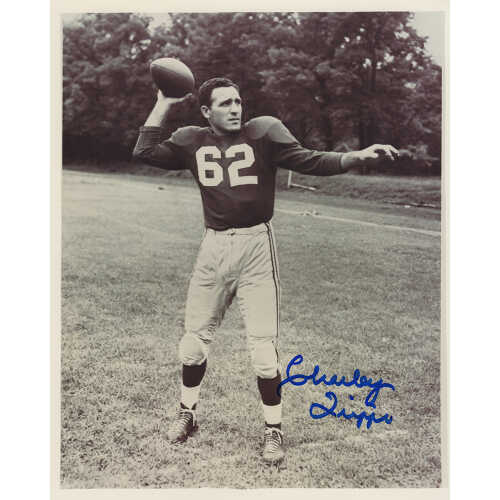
{"x": 224, "y": 113}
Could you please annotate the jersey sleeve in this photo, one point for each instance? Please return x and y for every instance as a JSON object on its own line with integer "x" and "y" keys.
{"x": 168, "y": 155}
{"x": 288, "y": 153}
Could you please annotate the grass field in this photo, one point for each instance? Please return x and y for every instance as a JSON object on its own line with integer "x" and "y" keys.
{"x": 354, "y": 296}
{"x": 401, "y": 190}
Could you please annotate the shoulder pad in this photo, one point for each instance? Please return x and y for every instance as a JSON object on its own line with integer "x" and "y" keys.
{"x": 185, "y": 136}
{"x": 270, "y": 127}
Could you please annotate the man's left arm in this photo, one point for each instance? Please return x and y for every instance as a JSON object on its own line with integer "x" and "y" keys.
{"x": 370, "y": 155}
{"x": 289, "y": 154}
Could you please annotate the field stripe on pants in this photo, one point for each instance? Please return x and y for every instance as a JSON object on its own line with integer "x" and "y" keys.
{"x": 276, "y": 278}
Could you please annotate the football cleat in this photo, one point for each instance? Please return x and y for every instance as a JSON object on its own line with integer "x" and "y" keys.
{"x": 273, "y": 445}
{"x": 183, "y": 426}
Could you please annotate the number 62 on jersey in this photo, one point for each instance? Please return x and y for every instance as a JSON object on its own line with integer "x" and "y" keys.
{"x": 234, "y": 170}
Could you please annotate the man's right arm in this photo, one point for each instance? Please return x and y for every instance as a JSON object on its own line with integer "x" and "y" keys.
{"x": 148, "y": 148}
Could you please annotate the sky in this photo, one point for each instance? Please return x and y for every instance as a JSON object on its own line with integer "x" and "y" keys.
{"x": 431, "y": 24}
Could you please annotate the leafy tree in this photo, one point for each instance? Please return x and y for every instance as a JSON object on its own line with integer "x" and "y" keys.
{"x": 105, "y": 84}
{"x": 358, "y": 75}
{"x": 338, "y": 80}
{"x": 233, "y": 45}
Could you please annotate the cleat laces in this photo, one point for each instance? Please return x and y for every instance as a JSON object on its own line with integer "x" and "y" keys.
{"x": 183, "y": 419}
{"x": 182, "y": 426}
{"x": 272, "y": 440}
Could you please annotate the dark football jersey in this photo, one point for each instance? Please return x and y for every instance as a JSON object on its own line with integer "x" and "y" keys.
{"x": 236, "y": 173}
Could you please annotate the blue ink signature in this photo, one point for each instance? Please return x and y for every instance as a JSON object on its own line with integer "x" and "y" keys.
{"x": 359, "y": 417}
{"x": 357, "y": 380}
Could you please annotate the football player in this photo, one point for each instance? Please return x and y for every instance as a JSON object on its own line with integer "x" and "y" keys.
{"x": 235, "y": 168}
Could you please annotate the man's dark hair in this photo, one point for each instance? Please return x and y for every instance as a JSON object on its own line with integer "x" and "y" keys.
{"x": 205, "y": 90}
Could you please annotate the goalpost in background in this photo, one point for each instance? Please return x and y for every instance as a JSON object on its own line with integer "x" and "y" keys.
{"x": 290, "y": 184}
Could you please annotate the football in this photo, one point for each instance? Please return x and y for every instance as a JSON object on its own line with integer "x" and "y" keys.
{"x": 172, "y": 77}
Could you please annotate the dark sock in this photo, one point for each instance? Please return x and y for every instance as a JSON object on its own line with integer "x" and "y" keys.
{"x": 193, "y": 375}
{"x": 184, "y": 407}
{"x": 268, "y": 388}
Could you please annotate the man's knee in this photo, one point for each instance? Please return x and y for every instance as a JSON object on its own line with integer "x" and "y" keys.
{"x": 192, "y": 350}
{"x": 265, "y": 359}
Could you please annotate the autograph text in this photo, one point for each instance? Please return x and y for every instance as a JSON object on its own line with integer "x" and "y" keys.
{"x": 358, "y": 381}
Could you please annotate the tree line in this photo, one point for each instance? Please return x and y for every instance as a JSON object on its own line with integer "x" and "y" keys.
{"x": 339, "y": 81}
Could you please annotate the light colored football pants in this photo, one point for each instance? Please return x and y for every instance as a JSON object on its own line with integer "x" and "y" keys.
{"x": 238, "y": 262}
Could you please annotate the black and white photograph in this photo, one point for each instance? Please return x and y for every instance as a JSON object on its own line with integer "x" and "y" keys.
{"x": 252, "y": 249}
